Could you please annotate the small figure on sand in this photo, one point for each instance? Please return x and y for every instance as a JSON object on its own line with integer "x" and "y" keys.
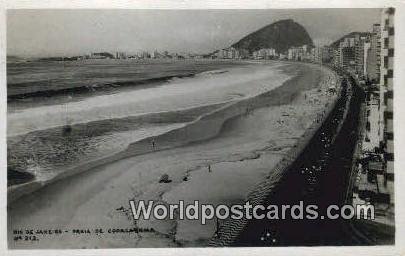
{"x": 165, "y": 178}
{"x": 153, "y": 144}
{"x": 209, "y": 168}
{"x": 280, "y": 121}
{"x": 217, "y": 234}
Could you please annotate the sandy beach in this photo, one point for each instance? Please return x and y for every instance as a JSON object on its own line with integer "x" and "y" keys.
{"x": 252, "y": 125}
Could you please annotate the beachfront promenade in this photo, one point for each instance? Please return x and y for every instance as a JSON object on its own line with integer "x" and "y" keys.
{"x": 322, "y": 174}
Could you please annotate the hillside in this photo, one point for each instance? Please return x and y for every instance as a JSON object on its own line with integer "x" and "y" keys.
{"x": 280, "y": 35}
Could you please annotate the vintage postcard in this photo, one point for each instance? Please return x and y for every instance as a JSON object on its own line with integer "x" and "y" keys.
{"x": 174, "y": 127}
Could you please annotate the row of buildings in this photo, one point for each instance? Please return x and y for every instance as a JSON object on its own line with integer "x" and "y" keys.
{"x": 307, "y": 53}
{"x": 369, "y": 56}
{"x": 371, "y": 59}
{"x": 360, "y": 54}
{"x": 231, "y": 53}
{"x": 386, "y": 125}
{"x": 298, "y": 53}
{"x": 266, "y": 53}
{"x": 140, "y": 55}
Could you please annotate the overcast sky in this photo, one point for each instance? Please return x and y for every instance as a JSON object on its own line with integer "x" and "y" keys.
{"x": 70, "y": 32}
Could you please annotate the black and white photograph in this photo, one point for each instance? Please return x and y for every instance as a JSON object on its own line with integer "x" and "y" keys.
{"x": 199, "y": 128}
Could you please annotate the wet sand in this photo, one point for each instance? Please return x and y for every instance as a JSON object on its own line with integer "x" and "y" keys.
{"x": 243, "y": 151}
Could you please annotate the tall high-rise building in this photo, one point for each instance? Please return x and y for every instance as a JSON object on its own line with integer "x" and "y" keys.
{"x": 120, "y": 55}
{"x": 317, "y": 53}
{"x": 377, "y": 30}
{"x": 298, "y": 53}
{"x": 367, "y": 46}
{"x": 373, "y": 56}
{"x": 155, "y": 54}
{"x": 327, "y": 53}
{"x": 265, "y": 53}
{"x": 347, "y": 58}
{"x": 359, "y": 46}
{"x": 336, "y": 57}
{"x": 386, "y": 96}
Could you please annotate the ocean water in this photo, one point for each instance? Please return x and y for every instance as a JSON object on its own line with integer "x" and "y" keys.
{"x": 108, "y": 119}
{"x": 228, "y": 82}
{"x": 32, "y": 78}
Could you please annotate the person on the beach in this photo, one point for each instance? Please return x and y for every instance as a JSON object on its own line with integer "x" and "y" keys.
{"x": 209, "y": 168}
{"x": 216, "y": 234}
{"x": 153, "y": 144}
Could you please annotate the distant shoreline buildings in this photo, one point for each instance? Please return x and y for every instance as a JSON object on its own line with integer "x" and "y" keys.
{"x": 124, "y": 55}
{"x": 368, "y": 56}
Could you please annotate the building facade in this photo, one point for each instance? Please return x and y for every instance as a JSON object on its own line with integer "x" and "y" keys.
{"x": 269, "y": 53}
{"x": 347, "y": 58}
{"x": 232, "y": 53}
{"x": 299, "y": 53}
{"x": 373, "y": 59}
{"x": 367, "y": 46}
{"x": 360, "y": 50}
{"x": 327, "y": 54}
{"x": 386, "y": 96}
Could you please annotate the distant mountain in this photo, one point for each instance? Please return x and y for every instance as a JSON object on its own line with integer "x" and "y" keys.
{"x": 280, "y": 35}
{"x": 352, "y": 34}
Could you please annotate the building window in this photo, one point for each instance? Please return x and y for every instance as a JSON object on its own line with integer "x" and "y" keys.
{"x": 385, "y": 61}
{"x": 390, "y": 73}
{"x": 389, "y": 136}
{"x": 390, "y": 176}
{"x": 388, "y": 115}
{"x": 389, "y": 157}
{"x": 390, "y": 52}
{"x": 391, "y": 31}
{"x": 386, "y": 42}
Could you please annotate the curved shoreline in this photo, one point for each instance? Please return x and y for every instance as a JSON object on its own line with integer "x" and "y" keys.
{"x": 241, "y": 154}
{"x": 231, "y": 229}
{"x": 183, "y": 93}
{"x": 202, "y": 128}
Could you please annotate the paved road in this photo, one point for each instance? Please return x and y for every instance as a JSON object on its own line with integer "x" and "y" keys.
{"x": 320, "y": 176}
